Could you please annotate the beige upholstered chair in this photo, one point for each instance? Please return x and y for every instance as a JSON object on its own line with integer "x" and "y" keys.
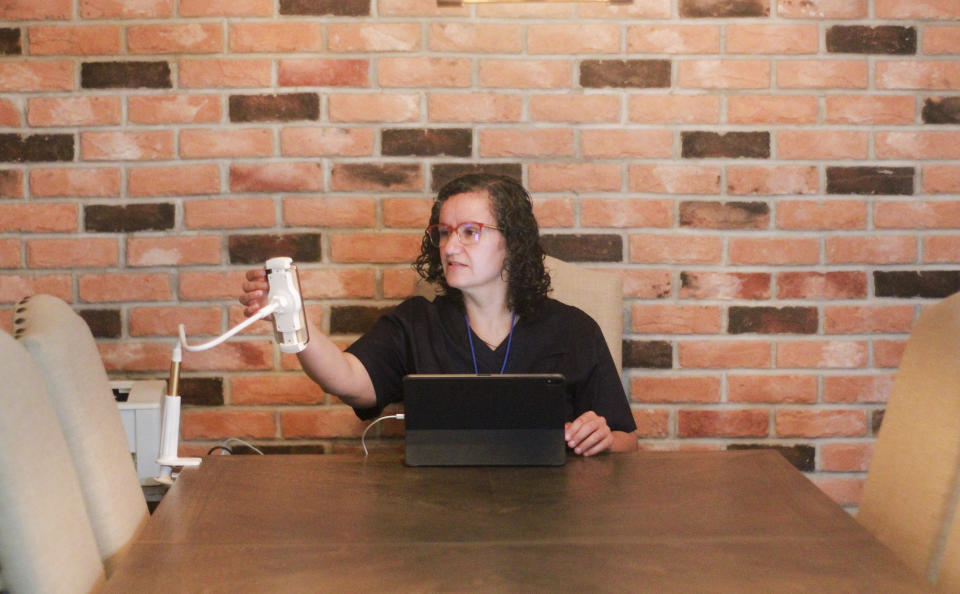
{"x": 948, "y": 579}
{"x": 912, "y": 487}
{"x": 62, "y": 345}
{"x": 46, "y": 542}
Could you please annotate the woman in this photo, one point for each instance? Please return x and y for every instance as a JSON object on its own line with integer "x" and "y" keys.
{"x": 493, "y": 316}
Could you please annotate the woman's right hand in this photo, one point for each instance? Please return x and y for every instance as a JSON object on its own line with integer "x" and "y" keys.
{"x": 255, "y": 289}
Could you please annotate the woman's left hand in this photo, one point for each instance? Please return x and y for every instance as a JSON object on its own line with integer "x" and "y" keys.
{"x": 588, "y": 434}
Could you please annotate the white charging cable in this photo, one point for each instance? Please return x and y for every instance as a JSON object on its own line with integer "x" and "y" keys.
{"x": 364, "y": 436}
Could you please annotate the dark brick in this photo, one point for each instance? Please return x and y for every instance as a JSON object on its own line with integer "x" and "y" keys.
{"x": 125, "y": 75}
{"x": 17, "y": 148}
{"x": 103, "y": 323}
{"x": 271, "y": 450}
{"x": 584, "y": 248}
{"x": 772, "y": 320}
{"x": 870, "y": 180}
{"x": 801, "y": 456}
{"x": 705, "y": 145}
{"x": 876, "y": 420}
{"x": 441, "y": 173}
{"x": 724, "y": 8}
{"x": 941, "y": 110}
{"x": 388, "y": 176}
{"x": 108, "y": 218}
{"x": 10, "y": 42}
{"x": 625, "y": 73}
{"x": 704, "y": 214}
{"x": 355, "y": 319}
{"x": 325, "y": 7}
{"x": 11, "y": 183}
{"x": 452, "y": 142}
{"x": 932, "y": 284}
{"x": 254, "y": 249}
{"x": 201, "y": 391}
{"x": 860, "y": 39}
{"x": 651, "y": 354}
{"x": 274, "y": 108}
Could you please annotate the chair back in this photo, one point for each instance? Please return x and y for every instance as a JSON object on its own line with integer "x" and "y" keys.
{"x": 62, "y": 345}
{"x": 911, "y": 488}
{"x": 46, "y": 542}
{"x": 948, "y": 579}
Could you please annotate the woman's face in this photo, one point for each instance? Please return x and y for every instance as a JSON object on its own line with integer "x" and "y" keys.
{"x": 472, "y": 266}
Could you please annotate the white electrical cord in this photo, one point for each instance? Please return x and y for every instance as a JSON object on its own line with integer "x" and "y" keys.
{"x": 364, "y": 435}
{"x": 264, "y": 312}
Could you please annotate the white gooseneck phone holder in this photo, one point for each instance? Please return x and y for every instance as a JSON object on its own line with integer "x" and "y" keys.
{"x": 285, "y": 303}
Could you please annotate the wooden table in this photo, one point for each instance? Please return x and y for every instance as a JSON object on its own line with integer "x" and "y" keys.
{"x": 739, "y": 521}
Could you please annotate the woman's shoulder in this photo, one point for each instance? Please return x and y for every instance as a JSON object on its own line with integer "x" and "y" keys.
{"x": 558, "y": 312}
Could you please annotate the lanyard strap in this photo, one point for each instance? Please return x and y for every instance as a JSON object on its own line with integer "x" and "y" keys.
{"x": 473, "y": 353}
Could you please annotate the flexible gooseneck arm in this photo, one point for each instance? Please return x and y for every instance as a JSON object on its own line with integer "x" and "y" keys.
{"x": 264, "y": 312}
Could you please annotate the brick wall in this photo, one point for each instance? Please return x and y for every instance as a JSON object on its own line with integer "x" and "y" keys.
{"x": 775, "y": 180}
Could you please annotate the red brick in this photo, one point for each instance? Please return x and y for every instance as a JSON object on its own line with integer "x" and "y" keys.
{"x": 38, "y": 218}
{"x": 217, "y": 73}
{"x": 220, "y": 424}
{"x": 941, "y": 249}
{"x": 827, "y": 214}
{"x": 173, "y": 251}
{"x": 315, "y": 72}
{"x": 75, "y": 182}
{"x": 774, "y": 251}
{"x": 190, "y": 38}
{"x": 652, "y": 423}
{"x": 379, "y": 108}
{"x": 11, "y": 183}
{"x": 178, "y": 180}
{"x": 917, "y": 215}
{"x": 262, "y": 328}
{"x": 424, "y": 72}
{"x": 849, "y": 319}
{"x": 197, "y": 143}
{"x": 135, "y": 356}
{"x": 399, "y": 284}
{"x": 15, "y": 287}
{"x": 74, "y": 111}
{"x": 373, "y": 37}
{"x": 72, "y": 253}
{"x": 822, "y": 74}
{"x": 676, "y": 319}
{"x": 164, "y": 321}
{"x": 9, "y": 114}
{"x": 771, "y": 181}
{"x": 474, "y": 107}
{"x": 941, "y": 40}
{"x": 665, "y": 39}
{"x": 822, "y": 9}
{"x": 606, "y": 144}
{"x": 275, "y": 389}
{"x": 658, "y": 389}
{"x": 580, "y": 38}
{"x": 886, "y": 249}
{"x": 772, "y": 109}
{"x": 203, "y": 286}
{"x": 823, "y": 145}
{"x": 846, "y": 457}
{"x": 772, "y": 39}
{"x": 674, "y": 109}
{"x": 888, "y": 353}
{"x": 525, "y": 74}
{"x": 17, "y": 77}
{"x": 31, "y": 10}
{"x": 338, "y": 283}
{"x": 651, "y": 9}
{"x": 831, "y": 354}
{"x": 97, "y": 9}
{"x": 229, "y": 213}
{"x": 276, "y": 177}
{"x": 617, "y": 212}
{"x": 723, "y": 74}
{"x": 820, "y": 423}
{"x": 838, "y": 284}
{"x": 173, "y": 109}
{"x": 407, "y": 213}
{"x": 325, "y": 211}
{"x": 679, "y": 249}
{"x": 74, "y": 40}
{"x": 123, "y": 286}
{"x": 857, "y": 388}
{"x": 287, "y": 36}
{"x": 10, "y": 253}
{"x": 843, "y": 491}
{"x": 772, "y": 388}
{"x": 454, "y": 37}
{"x": 213, "y": 8}
{"x": 536, "y": 142}
{"x": 127, "y": 146}
{"x": 723, "y": 423}
{"x": 566, "y": 177}
{"x": 674, "y": 179}
{"x": 419, "y": 8}
{"x": 917, "y": 74}
{"x": 724, "y": 285}
{"x": 554, "y": 212}
{"x": 724, "y": 354}
{"x": 375, "y": 247}
{"x": 312, "y": 141}
{"x": 926, "y": 9}
{"x": 877, "y": 109}
{"x": 917, "y": 145}
{"x": 941, "y": 179}
{"x": 575, "y": 108}
{"x": 321, "y": 423}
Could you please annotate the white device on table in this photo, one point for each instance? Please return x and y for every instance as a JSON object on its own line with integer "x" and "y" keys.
{"x": 285, "y": 303}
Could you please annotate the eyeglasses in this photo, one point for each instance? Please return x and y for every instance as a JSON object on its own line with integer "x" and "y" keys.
{"x": 468, "y": 233}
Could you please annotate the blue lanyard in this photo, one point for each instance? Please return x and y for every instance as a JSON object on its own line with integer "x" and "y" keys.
{"x": 473, "y": 353}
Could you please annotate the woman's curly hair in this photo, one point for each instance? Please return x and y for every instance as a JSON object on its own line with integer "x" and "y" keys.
{"x": 528, "y": 282}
